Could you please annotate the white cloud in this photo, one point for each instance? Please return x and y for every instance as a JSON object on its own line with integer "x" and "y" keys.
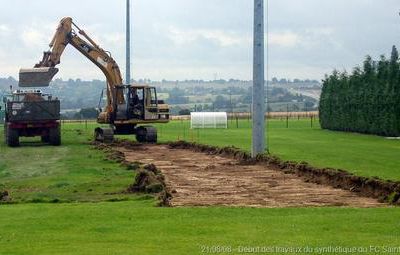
{"x": 34, "y": 37}
{"x": 320, "y": 31}
{"x": 113, "y": 38}
{"x": 4, "y": 28}
{"x": 2, "y": 54}
{"x": 221, "y": 37}
{"x": 305, "y": 38}
{"x": 225, "y": 39}
{"x": 283, "y": 39}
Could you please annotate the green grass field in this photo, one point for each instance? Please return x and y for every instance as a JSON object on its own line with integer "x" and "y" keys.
{"x": 64, "y": 199}
{"x": 140, "y": 228}
{"x": 72, "y": 172}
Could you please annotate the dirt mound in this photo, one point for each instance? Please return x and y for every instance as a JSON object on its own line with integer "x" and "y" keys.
{"x": 129, "y": 145}
{"x": 4, "y": 196}
{"x": 233, "y": 152}
{"x": 386, "y": 191}
{"x": 150, "y": 180}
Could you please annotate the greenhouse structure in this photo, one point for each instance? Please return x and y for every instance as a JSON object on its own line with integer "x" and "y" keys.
{"x": 209, "y": 120}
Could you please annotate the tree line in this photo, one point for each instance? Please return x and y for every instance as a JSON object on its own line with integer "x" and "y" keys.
{"x": 365, "y": 101}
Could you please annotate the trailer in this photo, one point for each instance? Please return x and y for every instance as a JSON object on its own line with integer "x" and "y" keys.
{"x": 30, "y": 113}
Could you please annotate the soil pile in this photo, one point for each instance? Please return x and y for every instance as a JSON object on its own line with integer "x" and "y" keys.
{"x": 4, "y": 196}
{"x": 150, "y": 180}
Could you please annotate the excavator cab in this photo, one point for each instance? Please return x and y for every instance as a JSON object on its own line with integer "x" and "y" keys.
{"x": 135, "y": 103}
{"x": 143, "y": 105}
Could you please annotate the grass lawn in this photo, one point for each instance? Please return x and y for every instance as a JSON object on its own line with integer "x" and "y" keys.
{"x": 72, "y": 172}
{"x": 364, "y": 155}
{"x": 88, "y": 223}
{"x": 139, "y": 228}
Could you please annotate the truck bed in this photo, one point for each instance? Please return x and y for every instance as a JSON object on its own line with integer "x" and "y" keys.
{"x": 33, "y": 111}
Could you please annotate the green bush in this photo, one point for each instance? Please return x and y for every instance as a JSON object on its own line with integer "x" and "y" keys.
{"x": 367, "y": 101}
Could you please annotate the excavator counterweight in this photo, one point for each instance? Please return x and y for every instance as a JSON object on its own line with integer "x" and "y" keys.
{"x": 36, "y": 77}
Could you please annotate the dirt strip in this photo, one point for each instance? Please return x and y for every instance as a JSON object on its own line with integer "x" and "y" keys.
{"x": 217, "y": 178}
{"x": 385, "y": 191}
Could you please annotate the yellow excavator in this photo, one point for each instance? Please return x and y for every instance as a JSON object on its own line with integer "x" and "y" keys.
{"x": 129, "y": 108}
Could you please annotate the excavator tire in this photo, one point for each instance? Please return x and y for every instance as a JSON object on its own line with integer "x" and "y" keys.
{"x": 55, "y": 136}
{"x": 12, "y": 137}
{"x": 146, "y": 134}
{"x": 104, "y": 135}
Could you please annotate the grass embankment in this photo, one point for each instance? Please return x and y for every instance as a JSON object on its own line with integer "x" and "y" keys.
{"x": 75, "y": 172}
{"x": 363, "y": 155}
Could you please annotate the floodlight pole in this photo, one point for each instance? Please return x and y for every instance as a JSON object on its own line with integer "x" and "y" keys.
{"x": 258, "y": 112}
{"x": 128, "y": 44}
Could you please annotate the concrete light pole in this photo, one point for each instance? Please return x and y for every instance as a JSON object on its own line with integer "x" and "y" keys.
{"x": 258, "y": 112}
{"x": 128, "y": 44}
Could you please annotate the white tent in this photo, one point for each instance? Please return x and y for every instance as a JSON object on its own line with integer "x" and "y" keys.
{"x": 209, "y": 120}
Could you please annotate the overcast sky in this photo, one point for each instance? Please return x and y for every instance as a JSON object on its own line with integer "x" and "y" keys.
{"x": 196, "y": 39}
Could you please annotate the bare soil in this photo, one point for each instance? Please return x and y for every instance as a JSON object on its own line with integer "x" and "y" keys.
{"x": 201, "y": 179}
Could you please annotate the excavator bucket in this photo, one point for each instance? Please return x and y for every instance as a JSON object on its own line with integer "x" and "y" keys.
{"x": 36, "y": 77}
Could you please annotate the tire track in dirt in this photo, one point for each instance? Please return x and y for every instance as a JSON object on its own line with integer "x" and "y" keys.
{"x": 200, "y": 179}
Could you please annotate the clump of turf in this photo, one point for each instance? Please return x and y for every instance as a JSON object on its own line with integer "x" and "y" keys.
{"x": 132, "y": 166}
{"x": 150, "y": 180}
{"x": 4, "y": 196}
{"x": 116, "y": 156}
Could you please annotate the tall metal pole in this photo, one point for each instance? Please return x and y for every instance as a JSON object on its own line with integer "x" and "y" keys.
{"x": 258, "y": 134}
{"x": 128, "y": 44}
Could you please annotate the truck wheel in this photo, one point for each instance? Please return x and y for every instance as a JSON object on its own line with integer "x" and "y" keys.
{"x": 45, "y": 139}
{"x": 55, "y": 136}
{"x": 12, "y": 137}
{"x": 5, "y": 133}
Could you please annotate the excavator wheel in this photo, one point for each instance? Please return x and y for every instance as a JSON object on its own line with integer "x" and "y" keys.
{"x": 104, "y": 135}
{"x": 146, "y": 134}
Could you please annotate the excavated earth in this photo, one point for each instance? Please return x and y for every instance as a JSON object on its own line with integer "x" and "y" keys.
{"x": 201, "y": 179}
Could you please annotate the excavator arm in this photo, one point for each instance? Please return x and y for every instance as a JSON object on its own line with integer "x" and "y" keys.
{"x": 44, "y": 71}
